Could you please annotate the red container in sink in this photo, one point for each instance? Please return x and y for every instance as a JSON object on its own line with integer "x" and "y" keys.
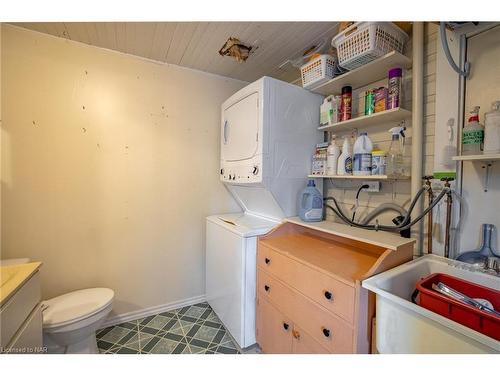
{"x": 481, "y": 321}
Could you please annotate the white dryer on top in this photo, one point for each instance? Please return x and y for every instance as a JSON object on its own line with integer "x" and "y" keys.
{"x": 268, "y": 135}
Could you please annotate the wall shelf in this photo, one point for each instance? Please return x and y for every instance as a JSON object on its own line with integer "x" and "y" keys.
{"x": 486, "y": 159}
{"x": 366, "y": 74}
{"x": 388, "y": 116}
{"x": 482, "y": 157}
{"x": 351, "y": 177}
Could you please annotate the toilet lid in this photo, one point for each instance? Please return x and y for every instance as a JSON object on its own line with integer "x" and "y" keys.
{"x": 75, "y": 306}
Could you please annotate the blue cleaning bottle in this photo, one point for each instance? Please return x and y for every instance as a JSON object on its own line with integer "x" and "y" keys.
{"x": 311, "y": 203}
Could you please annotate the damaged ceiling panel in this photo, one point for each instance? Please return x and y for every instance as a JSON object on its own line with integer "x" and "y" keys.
{"x": 235, "y": 49}
{"x": 197, "y": 44}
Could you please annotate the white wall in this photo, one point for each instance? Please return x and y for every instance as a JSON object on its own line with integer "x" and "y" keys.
{"x": 109, "y": 166}
{"x": 482, "y": 88}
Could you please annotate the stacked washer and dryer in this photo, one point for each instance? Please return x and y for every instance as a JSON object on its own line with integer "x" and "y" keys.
{"x": 268, "y": 134}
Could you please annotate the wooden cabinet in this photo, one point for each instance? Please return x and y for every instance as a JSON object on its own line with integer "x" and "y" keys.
{"x": 279, "y": 335}
{"x": 309, "y": 295}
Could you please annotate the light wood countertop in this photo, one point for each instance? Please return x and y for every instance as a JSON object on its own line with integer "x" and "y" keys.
{"x": 13, "y": 277}
{"x": 378, "y": 238}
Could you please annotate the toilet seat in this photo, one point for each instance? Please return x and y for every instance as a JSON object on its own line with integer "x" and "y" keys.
{"x": 75, "y": 306}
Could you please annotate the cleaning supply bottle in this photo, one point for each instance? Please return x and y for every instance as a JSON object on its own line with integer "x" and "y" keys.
{"x": 395, "y": 160}
{"x": 492, "y": 129}
{"x": 332, "y": 157}
{"x": 311, "y": 203}
{"x": 362, "y": 162}
{"x": 344, "y": 165}
{"x": 473, "y": 135}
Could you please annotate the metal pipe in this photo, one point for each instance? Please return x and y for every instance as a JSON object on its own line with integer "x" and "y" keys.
{"x": 430, "y": 194}
{"x": 417, "y": 120}
{"x": 449, "y": 204}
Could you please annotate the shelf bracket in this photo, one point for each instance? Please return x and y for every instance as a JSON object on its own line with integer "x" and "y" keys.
{"x": 487, "y": 166}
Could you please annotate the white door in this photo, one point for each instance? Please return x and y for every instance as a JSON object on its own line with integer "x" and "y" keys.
{"x": 240, "y": 129}
{"x": 225, "y": 277}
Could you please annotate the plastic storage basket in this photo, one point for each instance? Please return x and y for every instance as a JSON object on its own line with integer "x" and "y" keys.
{"x": 363, "y": 42}
{"x": 481, "y": 321}
{"x": 317, "y": 71}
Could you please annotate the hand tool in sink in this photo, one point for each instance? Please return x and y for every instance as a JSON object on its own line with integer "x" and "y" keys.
{"x": 452, "y": 293}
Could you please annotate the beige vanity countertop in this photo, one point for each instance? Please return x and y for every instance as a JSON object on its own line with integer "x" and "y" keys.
{"x": 13, "y": 277}
{"x": 378, "y": 238}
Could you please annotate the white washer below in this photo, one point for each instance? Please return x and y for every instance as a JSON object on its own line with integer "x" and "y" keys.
{"x": 231, "y": 270}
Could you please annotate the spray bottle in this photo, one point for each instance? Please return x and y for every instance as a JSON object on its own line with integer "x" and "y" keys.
{"x": 473, "y": 135}
{"x": 395, "y": 159}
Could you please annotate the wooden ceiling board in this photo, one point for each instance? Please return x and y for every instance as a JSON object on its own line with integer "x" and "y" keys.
{"x": 196, "y": 44}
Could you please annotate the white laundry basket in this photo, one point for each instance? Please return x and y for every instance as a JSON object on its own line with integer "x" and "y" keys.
{"x": 317, "y": 71}
{"x": 363, "y": 42}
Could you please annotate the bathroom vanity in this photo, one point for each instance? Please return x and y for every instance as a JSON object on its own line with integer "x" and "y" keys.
{"x": 20, "y": 309}
{"x": 309, "y": 294}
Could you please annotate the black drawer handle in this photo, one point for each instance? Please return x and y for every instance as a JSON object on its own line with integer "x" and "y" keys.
{"x": 267, "y": 287}
{"x": 326, "y": 332}
{"x": 328, "y": 295}
{"x": 285, "y": 326}
{"x": 267, "y": 260}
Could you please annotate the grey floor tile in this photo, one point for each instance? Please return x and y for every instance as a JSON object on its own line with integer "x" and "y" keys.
{"x": 195, "y": 311}
{"x": 138, "y": 341}
{"x": 125, "y": 350}
{"x": 115, "y": 335}
{"x": 164, "y": 346}
{"x": 206, "y": 333}
{"x": 158, "y": 322}
{"x": 191, "y": 349}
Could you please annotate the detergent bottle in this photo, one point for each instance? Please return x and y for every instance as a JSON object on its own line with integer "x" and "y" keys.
{"x": 332, "y": 157}
{"x": 344, "y": 165}
{"x": 311, "y": 203}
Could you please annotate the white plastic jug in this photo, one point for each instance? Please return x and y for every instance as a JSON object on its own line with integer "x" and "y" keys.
{"x": 362, "y": 162}
{"x": 492, "y": 129}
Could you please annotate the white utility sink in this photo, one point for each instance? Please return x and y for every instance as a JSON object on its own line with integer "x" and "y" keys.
{"x": 404, "y": 327}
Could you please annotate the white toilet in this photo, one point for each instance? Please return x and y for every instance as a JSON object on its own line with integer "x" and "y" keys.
{"x": 71, "y": 320}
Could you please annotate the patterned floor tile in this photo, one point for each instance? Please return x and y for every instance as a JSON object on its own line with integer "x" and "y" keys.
{"x": 164, "y": 346}
{"x": 206, "y": 333}
{"x": 192, "y": 329}
{"x": 115, "y": 335}
{"x": 158, "y": 322}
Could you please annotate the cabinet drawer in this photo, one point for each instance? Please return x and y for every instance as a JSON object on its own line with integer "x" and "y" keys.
{"x": 323, "y": 326}
{"x": 330, "y": 293}
{"x": 18, "y": 308}
{"x": 28, "y": 338}
{"x": 274, "y": 330}
{"x": 303, "y": 343}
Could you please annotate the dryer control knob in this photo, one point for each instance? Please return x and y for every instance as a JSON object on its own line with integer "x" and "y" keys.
{"x": 255, "y": 170}
{"x": 222, "y": 171}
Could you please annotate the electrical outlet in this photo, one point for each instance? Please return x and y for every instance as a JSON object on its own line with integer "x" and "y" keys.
{"x": 374, "y": 186}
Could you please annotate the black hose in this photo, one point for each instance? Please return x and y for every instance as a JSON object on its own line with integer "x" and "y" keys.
{"x": 387, "y": 228}
{"x": 365, "y": 186}
{"x": 406, "y": 219}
